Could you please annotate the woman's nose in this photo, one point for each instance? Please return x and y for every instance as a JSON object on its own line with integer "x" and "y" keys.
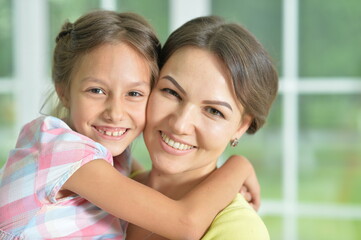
{"x": 183, "y": 121}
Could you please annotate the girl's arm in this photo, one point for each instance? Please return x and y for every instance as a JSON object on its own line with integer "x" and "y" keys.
{"x": 251, "y": 190}
{"x": 188, "y": 218}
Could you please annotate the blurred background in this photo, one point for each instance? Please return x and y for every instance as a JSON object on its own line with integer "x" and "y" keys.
{"x": 308, "y": 156}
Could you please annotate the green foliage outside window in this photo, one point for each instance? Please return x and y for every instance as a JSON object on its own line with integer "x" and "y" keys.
{"x": 6, "y": 54}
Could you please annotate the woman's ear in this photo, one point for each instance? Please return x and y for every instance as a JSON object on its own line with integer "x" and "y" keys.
{"x": 63, "y": 96}
{"x": 243, "y": 127}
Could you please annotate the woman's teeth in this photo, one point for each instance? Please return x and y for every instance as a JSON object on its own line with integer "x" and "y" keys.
{"x": 114, "y": 134}
{"x": 176, "y": 145}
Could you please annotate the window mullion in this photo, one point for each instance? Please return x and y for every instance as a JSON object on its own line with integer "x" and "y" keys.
{"x": 30, "y": 46}
{"x": 183, "y": 10}
{"x": 290, "y": 118}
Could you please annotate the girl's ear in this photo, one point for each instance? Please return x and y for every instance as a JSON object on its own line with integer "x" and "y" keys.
{"x": 246, "y": 122}
{"x": 63, "y": 96}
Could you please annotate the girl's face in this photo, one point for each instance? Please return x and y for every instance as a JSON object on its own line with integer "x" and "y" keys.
{"x": 192, "y": 113}
{"x": 108, "y": 96}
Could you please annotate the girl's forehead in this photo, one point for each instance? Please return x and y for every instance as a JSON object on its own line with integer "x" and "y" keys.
{"x": 118, "y": 62}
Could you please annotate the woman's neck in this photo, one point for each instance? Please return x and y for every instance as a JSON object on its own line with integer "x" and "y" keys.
{"x": 177, "y": 185}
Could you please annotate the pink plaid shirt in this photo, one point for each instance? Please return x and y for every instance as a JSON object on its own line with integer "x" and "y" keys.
{"x": 47, "y": 153}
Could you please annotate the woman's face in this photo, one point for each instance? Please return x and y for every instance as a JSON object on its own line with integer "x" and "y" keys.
{"x": 108, "y": 96}
{"x": 192, "y": 113}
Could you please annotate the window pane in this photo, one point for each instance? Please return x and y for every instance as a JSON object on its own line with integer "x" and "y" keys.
{"x": 330, "y": 153}
{"x": 329, "y": 229}
{"x": 155, "y": 11}
{"x": 7, "y": 122}
{"x": 264, "y": 151}
{"x": 140, "y": 152}
{"x": 274, "y": 226}
{"x": 261, "y": 17}
{"x": 330, "y": 37}
{"x": 6, "y": 56}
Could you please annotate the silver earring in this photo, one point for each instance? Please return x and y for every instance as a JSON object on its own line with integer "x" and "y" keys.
{"x": 234, "y": 142}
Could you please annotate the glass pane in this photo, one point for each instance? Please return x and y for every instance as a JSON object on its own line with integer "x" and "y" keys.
{"x": 330, "y": 153}
{"x": 329, "y": 229}
{"x": 140, "y": 152}
{"x": 261, "y": 17}
{"x": 155, "y": 11}
{"x": 264, "y": 151}
{"x": 60, "y": 11}
{"x": 7, "y": 125}
{"x": 330, "y": 36}
{"x": 274, "y": 226}
{"x": 6, "y": 45}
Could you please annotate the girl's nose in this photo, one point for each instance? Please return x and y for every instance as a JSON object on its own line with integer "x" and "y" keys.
{"x": 114, "y": 110}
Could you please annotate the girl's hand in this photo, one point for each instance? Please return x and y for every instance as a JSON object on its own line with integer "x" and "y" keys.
{"x": 251, "y": 189}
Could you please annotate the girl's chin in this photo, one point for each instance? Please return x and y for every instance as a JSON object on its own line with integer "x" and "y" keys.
{"x": 115, "y": 152}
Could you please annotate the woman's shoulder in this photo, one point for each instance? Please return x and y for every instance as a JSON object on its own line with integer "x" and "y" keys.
{"x": 237, "y": 221}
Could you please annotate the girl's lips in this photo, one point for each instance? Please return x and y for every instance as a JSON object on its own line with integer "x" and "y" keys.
{"x": 110, "y": 132}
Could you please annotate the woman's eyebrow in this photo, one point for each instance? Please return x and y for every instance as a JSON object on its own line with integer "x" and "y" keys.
{"x": 175, "y": 83}
{"x": 218, "y": 103}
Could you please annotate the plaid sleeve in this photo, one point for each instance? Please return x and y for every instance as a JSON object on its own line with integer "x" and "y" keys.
{"x": 63, "y": 151}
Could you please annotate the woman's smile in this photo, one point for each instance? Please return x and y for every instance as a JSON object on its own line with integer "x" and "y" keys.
{"x": 174, "y": 146}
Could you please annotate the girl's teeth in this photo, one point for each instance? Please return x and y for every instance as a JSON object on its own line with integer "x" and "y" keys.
{"x": 114, "y": 134}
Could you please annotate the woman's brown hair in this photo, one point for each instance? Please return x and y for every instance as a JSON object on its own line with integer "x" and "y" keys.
{"x": 254, "y": 77}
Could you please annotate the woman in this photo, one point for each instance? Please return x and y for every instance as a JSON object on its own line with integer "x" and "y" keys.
{"x": 216, "y": 83}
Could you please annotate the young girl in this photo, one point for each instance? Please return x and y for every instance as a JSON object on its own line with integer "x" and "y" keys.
{"x": 63, "y": 179}
{"x": 216, "y": 83}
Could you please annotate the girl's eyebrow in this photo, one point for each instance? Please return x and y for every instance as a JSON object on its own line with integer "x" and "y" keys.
{"x": 175, "y": 83}
{"x": 218, "y": 103}
{"x": 97, "y": 80}
{"x": 91, "y": 79}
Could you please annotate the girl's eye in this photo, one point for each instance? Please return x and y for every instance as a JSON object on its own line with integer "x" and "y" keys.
{"x": 135, "y": 94}
{"x": 97, "y": 91}
{"x": 214, "y": 112}
{"x": 171, "y": 92}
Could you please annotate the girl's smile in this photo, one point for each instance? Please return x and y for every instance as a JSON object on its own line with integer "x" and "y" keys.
{"x": 110, "y": 132}
{"x": 108, "y": 95}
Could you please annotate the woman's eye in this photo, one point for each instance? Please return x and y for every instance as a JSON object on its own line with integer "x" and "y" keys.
{"x": 214, "y": 112}
{"x": 171, "y": 92}
{"x": 135, "y": 94}
{"x": 97, "y": 91}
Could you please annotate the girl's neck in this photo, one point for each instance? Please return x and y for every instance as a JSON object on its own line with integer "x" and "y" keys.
{"x": 177, "y": 185}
